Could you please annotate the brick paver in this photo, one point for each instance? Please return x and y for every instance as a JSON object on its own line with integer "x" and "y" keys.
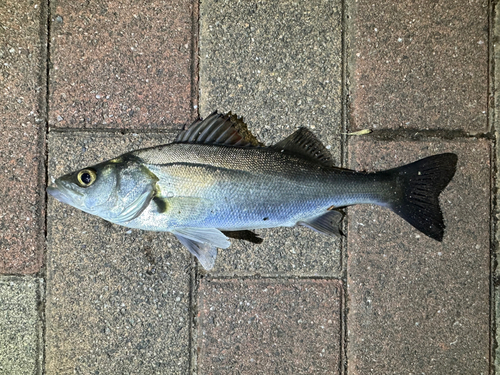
{"x": 277, "y": 63}
{"x": 122, "y": 64}
{"x": 20, "y": 326}
{"x": 419, "y": 65}
{"x": 22, "y": 130}
{"x": 270, "y": 326}
{"x": 417, "y": 305}
{"x": 284, "y": 252}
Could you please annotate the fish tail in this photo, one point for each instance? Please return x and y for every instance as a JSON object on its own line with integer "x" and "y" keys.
{"x": 421, "y": 183}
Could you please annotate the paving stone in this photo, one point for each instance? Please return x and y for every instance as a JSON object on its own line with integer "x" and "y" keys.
{"x": 417, "y": 305}
{"x": 285, "y": 251}
{"x": 123, "y": 64}
{"x": 117, "y": 299}
{"x": 496, "y": 81}
{"x": 269, "y": 326}
{"x": 278, "y": 64}
{"x": 419, "y": 65}
{"x": 21, "y": 136}
{"x": 496, "y": 112}
{"x": 20, "y": 326}
{"x": 497, "y": 333}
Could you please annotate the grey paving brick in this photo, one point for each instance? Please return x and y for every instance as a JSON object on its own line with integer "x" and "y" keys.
{"x": 496, "y": 214}
{"x": 269, "y": 326}
{"x": 497, "y": 333}
{"x": 22, "y": 132}
{"x": 285, "y": 251}
{"x": 122, "y": 64}
{"x": 20, "y": 326}
{"x": 117, "y": 299}
{"x": 418, "y": 65}
{"x": 496, "y": 117}
{"x": 278, "y": 64}
{"x": 417, "y": 305}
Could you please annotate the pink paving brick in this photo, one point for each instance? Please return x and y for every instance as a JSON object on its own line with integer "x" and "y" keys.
{"x": 419, "y": 65}
{"x": 122, "y": 64}
{"x": 22, "y": 195}
{"x": 417, "y": 305}
{"x": 269, "y": 326}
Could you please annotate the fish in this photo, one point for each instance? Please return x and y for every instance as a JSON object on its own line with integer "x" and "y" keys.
{"x": 216, "y": 181}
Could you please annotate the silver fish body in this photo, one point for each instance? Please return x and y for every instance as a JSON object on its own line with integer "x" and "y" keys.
{"x": 216, "y": 179}
{"x": 239, "y": 189}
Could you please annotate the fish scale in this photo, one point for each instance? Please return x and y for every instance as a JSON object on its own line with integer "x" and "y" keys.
{"x": 257, "y": 184}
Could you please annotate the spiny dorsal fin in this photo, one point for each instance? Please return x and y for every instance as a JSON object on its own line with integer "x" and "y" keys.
{"x": 304, "y": 143}
{"x": 220, "y": 129}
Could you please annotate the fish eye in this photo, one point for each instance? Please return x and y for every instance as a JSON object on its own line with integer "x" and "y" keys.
{"x": 86, "y": 177}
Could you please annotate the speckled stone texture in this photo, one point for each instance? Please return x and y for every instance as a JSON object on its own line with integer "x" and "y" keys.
{"x": 496, "y": 214}
{"x": 419, "y": 65}
{"x": 278, "y": 64}
{"x": 117, "y": 300}
{"x": 118, "y": 64}
{"x": 417, "y": 305}
{"x": 20, "y": 326}
{"x": 297, "y": 251}
{"x": 269, "y": 326}
{"x": 21, "y": 136}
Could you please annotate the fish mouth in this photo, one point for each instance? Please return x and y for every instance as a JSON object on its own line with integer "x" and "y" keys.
{"x": 58, "y": 194}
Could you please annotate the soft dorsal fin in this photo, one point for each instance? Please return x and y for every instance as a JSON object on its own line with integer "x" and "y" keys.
{"x": 221, "y": 129}
{"x": 304, "y": 143}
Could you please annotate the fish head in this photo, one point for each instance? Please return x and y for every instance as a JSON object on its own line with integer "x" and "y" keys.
{"x": 117, "y": 190}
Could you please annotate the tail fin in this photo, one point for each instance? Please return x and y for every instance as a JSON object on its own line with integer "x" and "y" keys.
{"x": 422, "y": 182}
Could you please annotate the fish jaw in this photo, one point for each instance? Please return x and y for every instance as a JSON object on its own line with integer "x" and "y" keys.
{"x": 66, "y": 195}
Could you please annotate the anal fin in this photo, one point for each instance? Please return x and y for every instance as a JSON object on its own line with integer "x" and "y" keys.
{"x": 327, "y": 223}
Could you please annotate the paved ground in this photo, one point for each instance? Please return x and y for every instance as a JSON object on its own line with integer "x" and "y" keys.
{"x": 85, "y": 81}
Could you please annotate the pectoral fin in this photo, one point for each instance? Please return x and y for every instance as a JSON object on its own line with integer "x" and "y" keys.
{"x": 327, "y": 223}
{"x": 202, "y": 243}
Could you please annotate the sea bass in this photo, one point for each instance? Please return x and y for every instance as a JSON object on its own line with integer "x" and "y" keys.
{"x": 216, "y": 181}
